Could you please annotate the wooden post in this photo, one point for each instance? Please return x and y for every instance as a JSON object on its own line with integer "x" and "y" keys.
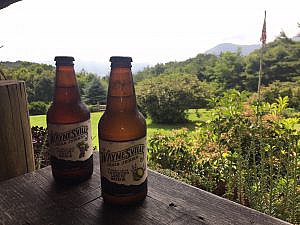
{"x": 16, "y": 150}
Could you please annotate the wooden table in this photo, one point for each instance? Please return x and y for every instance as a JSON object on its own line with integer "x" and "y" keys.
{"x": 35, "y": 198}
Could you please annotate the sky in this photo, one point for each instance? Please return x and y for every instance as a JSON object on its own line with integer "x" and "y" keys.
{"x": 151, "y": 32}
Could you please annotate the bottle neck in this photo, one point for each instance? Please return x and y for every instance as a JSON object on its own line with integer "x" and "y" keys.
{"x": 66, "y": 88}
{"x": 121, "y": 94}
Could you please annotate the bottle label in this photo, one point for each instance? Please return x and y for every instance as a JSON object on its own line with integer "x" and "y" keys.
{"x": 72, "y": 142}
{"x": 124, "y": 162}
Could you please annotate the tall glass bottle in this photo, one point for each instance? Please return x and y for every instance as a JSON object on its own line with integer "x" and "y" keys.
{"x": 69, "y": 127}
{"x": 122, "y": 139}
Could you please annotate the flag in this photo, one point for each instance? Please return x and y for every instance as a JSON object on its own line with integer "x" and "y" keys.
{"x": 263, "y": 37}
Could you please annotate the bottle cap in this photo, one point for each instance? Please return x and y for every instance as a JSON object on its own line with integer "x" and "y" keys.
{"x": 120, "y": 61}
{"x": 64, "y": 60}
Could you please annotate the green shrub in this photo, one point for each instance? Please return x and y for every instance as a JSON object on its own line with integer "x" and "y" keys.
{"x": 247, "y": 152}
{"x": 173, "y": 150}
{"x": 277, "y": 89}
{"x": 165, "y": 98}
{"x": 190, "y": 155}
{"x": 40, "y": 147}
{"x": 38, "y": 108}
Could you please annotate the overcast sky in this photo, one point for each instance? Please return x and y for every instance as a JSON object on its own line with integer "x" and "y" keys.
{"x": 149, "y": 31}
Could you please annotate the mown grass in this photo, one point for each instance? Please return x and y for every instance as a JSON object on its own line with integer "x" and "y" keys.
{"x": 40, "y": 121}
{"x": 192, "y": 116}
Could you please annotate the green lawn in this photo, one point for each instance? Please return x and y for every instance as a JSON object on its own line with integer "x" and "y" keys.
{"x": 152, "y": 127}
{"x": 41, "y": 122}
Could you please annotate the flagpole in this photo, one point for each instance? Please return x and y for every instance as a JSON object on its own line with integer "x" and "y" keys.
{"x": 261, "y": 167}
{"x": 263, "y": 40}
{"x": 260, "y": 71}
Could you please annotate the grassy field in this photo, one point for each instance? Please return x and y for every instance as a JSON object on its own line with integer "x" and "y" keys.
{"x": 151, "y": 127}
{"x": 41, "y": 122}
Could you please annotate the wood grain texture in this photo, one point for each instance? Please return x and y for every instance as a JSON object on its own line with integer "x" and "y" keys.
{"x": 35, "y": 199}
{"x": 15, "y": 133}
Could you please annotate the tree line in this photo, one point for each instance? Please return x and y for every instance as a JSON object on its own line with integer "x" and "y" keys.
{"x": 232, "y": 70}
{"x": 197, "y": 79}
{"x": 165, "y": 91}
{"x": 40, "y": 81}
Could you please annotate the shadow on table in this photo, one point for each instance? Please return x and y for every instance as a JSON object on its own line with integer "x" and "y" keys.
{"x": 115, "y": 215}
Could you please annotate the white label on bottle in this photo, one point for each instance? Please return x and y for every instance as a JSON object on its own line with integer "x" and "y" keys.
{"x": 124, "y": 162}
{"x": 72, "y": 142}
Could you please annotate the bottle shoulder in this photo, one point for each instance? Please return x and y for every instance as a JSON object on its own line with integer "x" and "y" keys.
{"x": 67, "y": 113}
{"x": 121, "y": 126}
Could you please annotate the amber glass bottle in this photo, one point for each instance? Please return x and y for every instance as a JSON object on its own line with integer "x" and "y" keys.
{"x": 69, "y": 127}
{"x": 122, "y": 139}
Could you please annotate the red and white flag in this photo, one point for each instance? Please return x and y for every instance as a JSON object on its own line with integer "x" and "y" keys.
{"x": 263, "y": 37}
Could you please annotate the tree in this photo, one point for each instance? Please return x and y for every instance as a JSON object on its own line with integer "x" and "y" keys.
{"x": 44, "y": 89}
{"x": 95, "y": 93}
{"x": 228, "y": 70}
{"x": 165, "y": 98}
{"x": 280, "y": 62}
{"x": 196, "y": 66}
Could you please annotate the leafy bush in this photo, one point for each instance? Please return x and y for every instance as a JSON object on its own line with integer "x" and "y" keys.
{"x": 174, "y": 150}
{"x": 277, "y": 89}
{"x": 190, "y": 155}
{"x": 247, "y": 152}
{"x": 165, "y": 98}
{"x": 40, "y": 147}
{"x": 38, "y": 108}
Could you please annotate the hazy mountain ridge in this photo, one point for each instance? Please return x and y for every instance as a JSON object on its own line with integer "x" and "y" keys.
{"x": 102, "y": 69}
{"x": 245, "y": 49}
{"x": 99, "y": 68}
{"x": 230, "y": 47}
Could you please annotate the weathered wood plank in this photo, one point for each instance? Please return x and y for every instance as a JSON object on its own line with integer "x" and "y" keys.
{"x": 22, "y": 202}
{"x": 150, "y": 212}
{"x": 68, "y": 196}
{"x": 36, "y": 199}
{"x": 213, "y": 209}
{"x": 25, "y": 125}
{"x": 29, "y": 200}
{"x": 15, "y": 133}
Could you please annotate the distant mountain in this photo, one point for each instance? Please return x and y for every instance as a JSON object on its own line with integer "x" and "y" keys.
{"x": 99, "y": 68}
{"x": 229, "y": 47}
